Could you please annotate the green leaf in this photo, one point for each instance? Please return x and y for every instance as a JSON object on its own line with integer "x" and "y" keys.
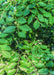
{"x": 5, "y": 47}
{"x": 30, "y": 19}
{"x": 42, "y": 10}
{"x": 11, "y": 72}
{"x": 11, "y": 65}
{"x": 40, "y": 17}
{"x": 4, "y": 15}
{"x": 14, "y": 59}
{"x": 6, "y": 54}
{"x": 22, "y": 34}
{"x": 31, "y": 6}
{"x": 33, "y": 53}
{"x": 34, "y": 11}
{"x": 11, "y": 13}
{"x": 19, "y": 13}
{"x": 1, "y": 71}
{"x": 26, "y": 12}
{"x": 39, "y": 65}
{"x": 25, "y": 47}
{"x": 3, "y": 35}
{"x": 2, "y": 21}
{"x": 19, "y": 7}
{"x": 49, "y": 64}
{"x": 9, "y": 19}
{"x": 46, "y": 21}
{"x": 51, "y": 20}
{"x": 43, "y": 46}
{"x": 9, "y": 29}
{"x": 3, "y": 41}
{"x": 23, "y": 68}
{"x": 42, "y": 4}
{"x": 6, "y": 5}
{"x": 24, "y": 63}
{"x": 21, "y": 20}
{"x": 52, "y": 72}
{"x": 49, "y": 6}
{"x": 24, "y": 28}
{"x": 43, "y": 25}
{"x": 36, "y": 24}
{"x": 47, "y": 14}
{"x": 53, "y": 11}
{"x": 2, "y": 65}
{"x": 43, "y": 71}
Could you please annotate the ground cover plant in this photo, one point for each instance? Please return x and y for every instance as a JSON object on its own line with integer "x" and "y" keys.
{"x": 26, "y": 37}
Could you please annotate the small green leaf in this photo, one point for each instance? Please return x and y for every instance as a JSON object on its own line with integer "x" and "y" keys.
{"x": 11, "y": 72}
{"x": 30, "y": 19}
{"x": 39, "y": 65}
{"x": 31, "y": 6}
{"x": 14, "y": 59}
{"x": 46, "y": 21}
{"x": 43, "y": 71}
{"x": 3, "y": 35}
{"x": 3, "y": 41}
{"x": 21, "y": 20}
{"x": 42, "y": 4}
{"x": 9, "y": 29}
{"x": 43, "y": 46}
{"x": 11, "y": 65}
{"x": 47, "y": 14}
{"x": 6, "y": 54}
{"x": 2, "y": 65}
{"x": 49, "y": 64}
{"x": 9, "y": 19}
{"x": 42, "y": 10}
{"x": 11, "y": 13}
{"x": 24, "y": 28}
{"x": 26, "y": 12}
{"x": 49, "y": 6}
{"x": 2, "y": 21}
{"x": 40, "y": 17}
{"x": 52, "y": 72}
{"x": 34, "y": 11}
{"x": 22, "y": 34}
{"x": 43, "y": 25}
{"x": 53, "y": 11}
{"x": 51, "y": 20}
{"x": 5, "y": 47}
{"x": 19, "y": 13}
{"x": 1, "y": 71}
{"x": 36, "y": 24}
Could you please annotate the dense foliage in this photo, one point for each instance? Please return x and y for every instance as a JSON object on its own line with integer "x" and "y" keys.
{"x": 26, "y": 37}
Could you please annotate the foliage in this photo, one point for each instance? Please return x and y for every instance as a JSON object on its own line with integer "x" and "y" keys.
{"x": 26, "y": 37}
